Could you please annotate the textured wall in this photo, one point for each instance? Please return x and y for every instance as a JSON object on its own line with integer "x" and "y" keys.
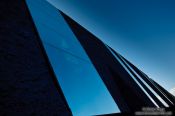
{"x": 26, "y": 81}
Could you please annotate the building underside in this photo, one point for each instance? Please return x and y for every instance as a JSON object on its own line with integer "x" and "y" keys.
{"x": 51, "y": 65}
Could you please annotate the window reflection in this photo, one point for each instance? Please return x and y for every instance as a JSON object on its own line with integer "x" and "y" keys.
{"x": 82, "y": 86}
{"x": 84, "y": 90}
{"x": 52, "y": 28}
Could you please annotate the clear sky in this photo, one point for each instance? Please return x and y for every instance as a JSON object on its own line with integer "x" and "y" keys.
{"x": 143, "y": 31}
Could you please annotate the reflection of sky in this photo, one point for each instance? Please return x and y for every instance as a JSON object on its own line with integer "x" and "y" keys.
{"x": 82, "y": 86}
{"x": 173, "y": 91}
{"x": 143, "y": 31}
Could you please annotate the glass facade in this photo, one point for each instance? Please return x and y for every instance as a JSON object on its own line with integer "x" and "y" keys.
{"x": 81, "y": 84}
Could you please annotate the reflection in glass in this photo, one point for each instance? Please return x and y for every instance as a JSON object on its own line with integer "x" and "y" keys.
{"x": 84, "y": 90}
{"x": 82, "y": 86}
{"x": 52, "y": 27}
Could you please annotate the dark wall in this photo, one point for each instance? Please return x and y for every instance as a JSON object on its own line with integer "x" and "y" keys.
{"x": 27, "y": 83}
{"x": 118, "y": 81}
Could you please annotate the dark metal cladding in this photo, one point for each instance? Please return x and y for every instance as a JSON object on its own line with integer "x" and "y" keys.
{"x": 143, "y": 85}
{"x": 165, "y": 95}
{"x": 127, "y": 94}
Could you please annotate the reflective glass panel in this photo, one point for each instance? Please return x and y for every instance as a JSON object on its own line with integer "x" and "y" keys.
{"x": 82, "y": 86}
{"x": 84, "y": 90}
{"x": 52, "y": 27}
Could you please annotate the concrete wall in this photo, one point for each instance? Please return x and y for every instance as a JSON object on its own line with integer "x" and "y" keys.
{"x": 27, "y": 83}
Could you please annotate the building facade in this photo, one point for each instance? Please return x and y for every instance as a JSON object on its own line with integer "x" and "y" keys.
{"x": 51, "y": 65}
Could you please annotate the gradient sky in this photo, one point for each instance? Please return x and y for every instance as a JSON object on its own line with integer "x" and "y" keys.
{"x": 143, "y": 31}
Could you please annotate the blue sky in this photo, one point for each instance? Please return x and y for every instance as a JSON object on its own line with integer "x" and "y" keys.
{"x": 143, "y": 31}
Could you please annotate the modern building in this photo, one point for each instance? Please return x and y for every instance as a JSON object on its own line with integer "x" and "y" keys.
{"x": 51, "y": 65}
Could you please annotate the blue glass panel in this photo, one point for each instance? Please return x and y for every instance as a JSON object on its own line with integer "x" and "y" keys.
{"x": 54, "y": 30}
{"x": 84, "y": 90}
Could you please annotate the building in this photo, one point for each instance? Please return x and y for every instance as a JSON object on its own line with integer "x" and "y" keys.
{"x": 50, "y": 65}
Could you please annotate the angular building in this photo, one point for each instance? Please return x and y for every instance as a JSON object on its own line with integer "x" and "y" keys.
{"x": 50, "y": 65}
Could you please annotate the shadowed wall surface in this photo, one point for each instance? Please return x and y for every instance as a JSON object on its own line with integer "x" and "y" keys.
{"x": 27, "y": 85}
